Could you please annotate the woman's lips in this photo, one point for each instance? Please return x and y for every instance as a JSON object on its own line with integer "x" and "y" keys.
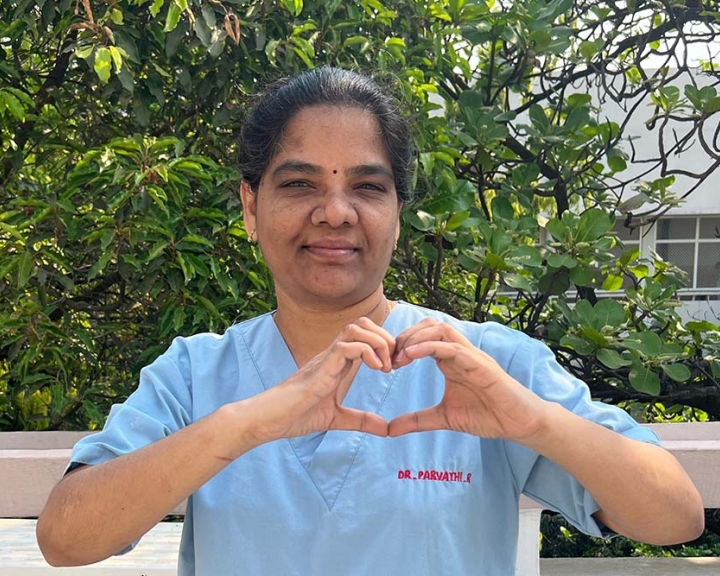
{"x": 331, "y": 250}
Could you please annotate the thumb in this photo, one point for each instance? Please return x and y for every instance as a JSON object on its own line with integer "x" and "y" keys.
{"x": 420, "y": 421}
{"x": 351, "y": 419}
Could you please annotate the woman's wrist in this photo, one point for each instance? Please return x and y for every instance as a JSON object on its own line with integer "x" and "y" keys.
{"x": 240, "y": 427}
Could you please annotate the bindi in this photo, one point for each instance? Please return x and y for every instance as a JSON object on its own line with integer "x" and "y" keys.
{"x": 334, "y": 171}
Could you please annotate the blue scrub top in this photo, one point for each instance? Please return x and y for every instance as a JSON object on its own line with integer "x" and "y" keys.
{"x": 340, "y": 502}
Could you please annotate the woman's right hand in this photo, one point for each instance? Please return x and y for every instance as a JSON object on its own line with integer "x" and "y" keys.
{"x": 311, "y": 399}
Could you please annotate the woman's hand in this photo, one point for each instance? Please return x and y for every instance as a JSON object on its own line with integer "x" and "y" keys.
{"x": 480, "y": 397}
{"x": 311, "y": 399}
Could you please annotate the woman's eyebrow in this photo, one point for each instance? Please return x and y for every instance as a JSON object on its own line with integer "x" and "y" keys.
{"x": 370, "y": 170}
{"x": 297, "y": 166}
{"x": 313, "y": 169}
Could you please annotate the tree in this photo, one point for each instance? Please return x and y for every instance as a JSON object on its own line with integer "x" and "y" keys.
{"x": 120, "y": 225}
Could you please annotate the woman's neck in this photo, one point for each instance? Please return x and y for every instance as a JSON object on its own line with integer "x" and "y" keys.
{"x": 309, "y": 330}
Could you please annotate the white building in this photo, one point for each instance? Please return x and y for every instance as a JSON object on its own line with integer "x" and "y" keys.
{"x": 687, "y": 235}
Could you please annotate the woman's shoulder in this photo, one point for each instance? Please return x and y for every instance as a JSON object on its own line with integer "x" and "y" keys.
{"x": 209, "y": 342}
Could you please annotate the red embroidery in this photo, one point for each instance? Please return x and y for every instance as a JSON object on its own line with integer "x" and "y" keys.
{"x": 436, "y": 475}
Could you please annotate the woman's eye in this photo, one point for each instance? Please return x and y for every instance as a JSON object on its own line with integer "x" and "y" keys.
{"x": 371, "y": 186}
{"x": 295, "y": 184}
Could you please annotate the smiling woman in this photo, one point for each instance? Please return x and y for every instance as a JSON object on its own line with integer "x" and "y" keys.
{"x": 292, "y": 433}
{"x": 327, "y": 214}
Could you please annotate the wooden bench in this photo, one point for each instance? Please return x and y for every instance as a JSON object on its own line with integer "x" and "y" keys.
{"x": 32, "y": 462}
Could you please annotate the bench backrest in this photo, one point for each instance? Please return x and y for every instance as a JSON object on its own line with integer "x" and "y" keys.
{"x": 32, "y": 462}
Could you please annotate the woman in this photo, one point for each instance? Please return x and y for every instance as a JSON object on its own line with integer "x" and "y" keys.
{"x": 290, "y": 433}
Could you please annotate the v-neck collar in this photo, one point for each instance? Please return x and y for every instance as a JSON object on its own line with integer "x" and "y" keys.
{"x": 327, "y": 457}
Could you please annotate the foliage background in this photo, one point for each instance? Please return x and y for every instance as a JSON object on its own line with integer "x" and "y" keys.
{"x": 120, "y": 225}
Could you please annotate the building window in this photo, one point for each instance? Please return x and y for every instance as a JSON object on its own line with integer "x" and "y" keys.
{"x": 692, "y": 244}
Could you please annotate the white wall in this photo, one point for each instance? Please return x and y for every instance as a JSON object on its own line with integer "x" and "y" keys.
{"x": 703, "y": 200}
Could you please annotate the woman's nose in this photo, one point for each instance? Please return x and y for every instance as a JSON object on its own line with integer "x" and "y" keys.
{"x": 335, "y": 209}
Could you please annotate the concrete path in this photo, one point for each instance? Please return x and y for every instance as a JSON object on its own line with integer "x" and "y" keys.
{"x": 630, "y": 566}
{"x": 156, "y": 555}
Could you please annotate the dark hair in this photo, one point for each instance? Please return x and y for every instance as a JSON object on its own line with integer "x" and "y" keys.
{"x": 263, "y": 127}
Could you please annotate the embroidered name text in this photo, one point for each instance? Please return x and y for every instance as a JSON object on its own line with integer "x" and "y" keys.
{"x": 435, "y": 475}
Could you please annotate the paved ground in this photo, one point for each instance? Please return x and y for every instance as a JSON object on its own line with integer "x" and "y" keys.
{"x": 19, "y": 556}
{"x": 156, "y": 555}
{"x": 630, "y": 567}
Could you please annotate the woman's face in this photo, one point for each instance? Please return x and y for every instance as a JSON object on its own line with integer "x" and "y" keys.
{"x": 326, "y": 213}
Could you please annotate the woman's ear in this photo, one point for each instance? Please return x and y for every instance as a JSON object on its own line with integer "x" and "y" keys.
{"x": 401, "y": 205}
{"x": 249, "y": 203}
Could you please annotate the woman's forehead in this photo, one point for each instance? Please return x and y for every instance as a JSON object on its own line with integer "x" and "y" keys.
{"x": 322, "y": 134}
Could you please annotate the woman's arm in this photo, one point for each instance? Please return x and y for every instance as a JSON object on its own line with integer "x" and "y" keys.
{"x": 642, "y": 490}
{"x": 99, "y": 510}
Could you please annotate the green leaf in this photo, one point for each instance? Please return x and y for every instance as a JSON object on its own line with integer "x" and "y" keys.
{"x": 612, "y": 359}
{"x": 100, "y": 265}
{"x": 701, "y": 326}
{"x": 678, "y": 372}
{"x": 579, "y": 99}
{"x": 12, "y": 230}
{"x": 633, "y": 203}
{"x": 609, "y": 312}
{"x": 554, "y": 283}
{"x": 518, "y": 282}
{"x": 116, "y": 57}
{"x": 203, "y": 32}
{"x": 192, "y": 238}
{"x": 84, "y": 52}
{"x": 594, "y": 336}
{"x": 645, "y": 380}
{"x": 187, "y": 270}
{"x": 502, "y": 208}
{"x": 617, "y": 163}
{"x": 422, "y": 221}
{"x": 561, "y": 261}
{"x": 712, "y": 106}
{"x": 295, "y": 7}
{"x": 592, "y": 224}
{"x": 209, "y": 16}
{"x": 495, "y": 262}
{"x": 556, "y": 229}
{"x": 173, "y": 17}
{"x": 629, "y": 256}
{"x": 582, "y": 275}
{"x": 580, "y": 345}
{"x": 457, "y": 220}
{"x": 25, "y": 269}
{"x": 116, "y": 16}
{"x": 715, "y": 367}
{"x": 157, "y": 249}
{"x": 13, "y": 104}
{"x": 585, "y": 312}
{"x": 538, "y": 117}
{"x": 209, "y": 306}
{"x": 612, "y": 283}
{"x": 525, "y": 256}
{"x": 304, "y": 45}
{"x": 156, "y": 7}
{"x": 107, "y": 238}
{"x": 587, "y": 49}
{"x": 103, "y": 64}
{"x": 126, "y": 79}
{"x": 8, "y": 266}
{"x": 647, "y": 343}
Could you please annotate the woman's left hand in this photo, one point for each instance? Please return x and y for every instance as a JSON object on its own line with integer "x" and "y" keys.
{"x": 480, "y": 397}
